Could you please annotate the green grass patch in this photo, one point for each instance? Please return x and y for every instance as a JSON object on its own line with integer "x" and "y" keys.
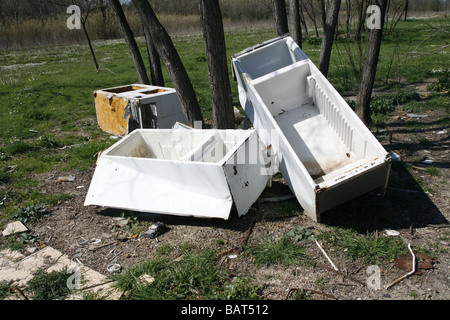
{"x": 371, "y": 248}
{"x": 432, "y": 171}
{"x": 284, "y": 251}
{"x": 49, "y": 286}
{"x": 195, "y": 277}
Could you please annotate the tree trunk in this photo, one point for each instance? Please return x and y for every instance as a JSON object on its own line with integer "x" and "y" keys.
{"x": 406, "y": 10}
{"x": 213, "y": 34}
{"x": 370, "y": 68}
{"x": 329, "y": 28}
{"x": 296, "y": 27}
{"x": 131, "y": 42}
{"x": 280, "y": 17}
{"x": 155, "y": 62}
{"x": 172, "y": 61}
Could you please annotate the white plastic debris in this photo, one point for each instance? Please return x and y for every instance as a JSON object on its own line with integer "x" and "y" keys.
{"x": 391, "y": 233}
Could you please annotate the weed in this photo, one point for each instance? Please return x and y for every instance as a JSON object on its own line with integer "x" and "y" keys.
{"x": 49, "y": 286}
{"x": 381, "y": 106}
{"x": 442, "y": 83}
{"x": 320, "y": 282}
{"x": 27, "y": 238}
{"x": 284, "y": 251}
{"x": 31, "y": 213}
{"x": 300, "y": 234}
{"x": 302, "y": 294}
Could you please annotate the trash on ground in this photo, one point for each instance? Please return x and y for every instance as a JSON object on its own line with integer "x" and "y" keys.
{"x": 122, "y": 109}
{"x": 424, "y": 262}
{"x": 326, "y": 255}
{"x": 413, "y": 264}
{"x": 323, "y": 150}
{"x": 413, "y": 115}
{"x": 14, "y": 228}
{"x": 395, "y": 156}
{"x": 201, "y": 173}
{"x": 155, "y": 230}
{"x": 114, "y": 267}
{"x": 442, "y": 132}
{"x": 66, "y": 179}
{"x": 391, "y": 233}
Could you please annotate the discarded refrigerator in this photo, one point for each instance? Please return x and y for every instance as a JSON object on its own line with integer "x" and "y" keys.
{"x": 195, "y": 172}
{"x": 323, "y": 150}
{"x": 122, "y": 109}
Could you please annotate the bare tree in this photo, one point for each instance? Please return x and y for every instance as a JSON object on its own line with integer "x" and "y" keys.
{"x": 296, "y": 27}
{"x": 331, "y": 18}
{"x": 172, "y": 61}
{"x": 280, "y": 17}
{"x": 213, "y": 34}
{"x": 310, "y": 9}
{"x": 370, "y": 68}
{"x": 131, "y": 42}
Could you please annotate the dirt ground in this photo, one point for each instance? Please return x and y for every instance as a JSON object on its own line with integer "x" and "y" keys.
{"x": 419, "y": 211}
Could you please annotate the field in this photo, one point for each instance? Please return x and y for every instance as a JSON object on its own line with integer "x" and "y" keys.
{"x": 49, "y": 130}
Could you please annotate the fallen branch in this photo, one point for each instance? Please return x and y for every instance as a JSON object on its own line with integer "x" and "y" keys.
{"x": 409, "y": 273}
{"x": 239, "y": 248}
{"x": 104, "y": 245}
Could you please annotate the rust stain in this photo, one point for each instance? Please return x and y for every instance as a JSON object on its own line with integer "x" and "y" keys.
{"x": 110, "y": 113}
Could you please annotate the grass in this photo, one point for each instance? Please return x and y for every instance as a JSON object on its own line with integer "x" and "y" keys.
{"x": 195, "y": 277}
{"x": 270, "y": 251}
{"x": 370, "y": 248}
{"x": 49, "y": 286}
{"x": 4, "y": 290}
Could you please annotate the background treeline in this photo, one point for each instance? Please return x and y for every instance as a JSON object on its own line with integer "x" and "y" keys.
{"x": 30, "y": 23}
